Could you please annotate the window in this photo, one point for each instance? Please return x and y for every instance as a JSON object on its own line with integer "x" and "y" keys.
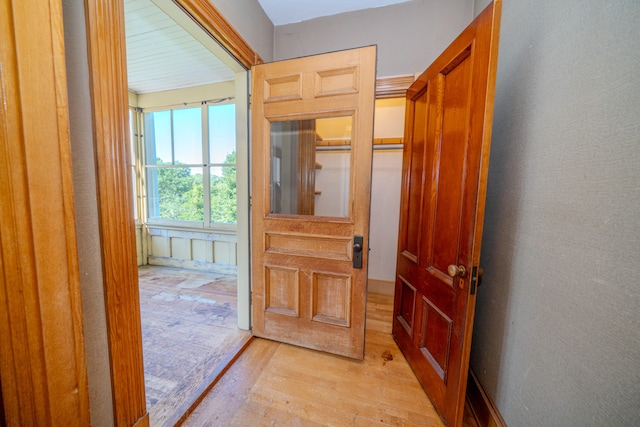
{"x": 190, "y": 164}
{"x": 133, "y": 155}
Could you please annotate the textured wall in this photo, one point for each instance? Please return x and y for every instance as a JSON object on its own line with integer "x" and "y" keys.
{"x": 84, "y": 186}
{"x": 409, "y": 35}
{"x": 248, "y": 18}
{"x": 557, "y": 332}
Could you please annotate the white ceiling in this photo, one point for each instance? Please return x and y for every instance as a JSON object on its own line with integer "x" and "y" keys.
{"x": 163, "y": 54}
{"x": 283, "y": 12}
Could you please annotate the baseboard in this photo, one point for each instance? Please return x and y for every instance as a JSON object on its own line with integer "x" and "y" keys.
{"x": 483, "y": 408}
{"x": 381, "y": 287}
{"x": 210, "y": 267}
{"x": 143, "y": 421}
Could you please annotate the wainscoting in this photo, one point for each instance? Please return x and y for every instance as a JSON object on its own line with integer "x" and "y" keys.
{"x": 211, "y": 251}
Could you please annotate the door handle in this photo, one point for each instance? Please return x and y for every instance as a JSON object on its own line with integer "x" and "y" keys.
{"x": 357, "y": 251}
{"x": 456, "y": 270}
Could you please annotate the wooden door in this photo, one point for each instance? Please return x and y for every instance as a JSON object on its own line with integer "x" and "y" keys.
{"x": 305, "y": 216}
{"x": 446, "y": 157}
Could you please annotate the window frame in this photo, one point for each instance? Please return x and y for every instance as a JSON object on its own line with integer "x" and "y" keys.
{"x": 206, "y": 224}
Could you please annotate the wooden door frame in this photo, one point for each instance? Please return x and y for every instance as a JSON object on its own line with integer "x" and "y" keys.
{"x": 108, "y": 74}
{"x": 107, "y": 69}
{"x": 42, "y": 356}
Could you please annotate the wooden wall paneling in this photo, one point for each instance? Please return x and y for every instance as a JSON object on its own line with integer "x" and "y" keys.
{"x": 108, "y": 74}
{"x": 42, "y": 359}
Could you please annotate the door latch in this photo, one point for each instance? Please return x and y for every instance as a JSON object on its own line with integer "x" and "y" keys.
{"x": 357, "y": 251}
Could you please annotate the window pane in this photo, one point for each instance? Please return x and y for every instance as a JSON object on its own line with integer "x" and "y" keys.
{"x": 223, "y": 194}
{"x": 222, "y": 133}
{"x": 157, "y": 128}
{"x": 311, "y": 166}
{"x": 187, "y": 136}
{"x": 175, "y": 193}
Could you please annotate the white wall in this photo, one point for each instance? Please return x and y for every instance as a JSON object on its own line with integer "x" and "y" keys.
{"x": 385, "y": 191}
{"x": 557, "y": 329}
{"x": 333, "y": 181}
{"x": 385, "y": 214}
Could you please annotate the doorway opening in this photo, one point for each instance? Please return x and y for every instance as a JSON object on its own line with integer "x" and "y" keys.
{"x": 189, "y": 134}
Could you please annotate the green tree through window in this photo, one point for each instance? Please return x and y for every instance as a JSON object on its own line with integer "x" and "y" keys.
{"x": 179, "y": 193}
{"x": 177, "y": 170}
{"x": 223, "y": 193}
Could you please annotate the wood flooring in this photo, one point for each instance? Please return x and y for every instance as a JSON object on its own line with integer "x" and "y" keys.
{"x": 273, "y": 384}
{"x": 189, "y": 331}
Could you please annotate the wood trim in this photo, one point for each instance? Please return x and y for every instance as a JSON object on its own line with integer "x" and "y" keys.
{"x": 306, "y": 167}
{"x": 107, "y": 68}
{"x": 42, "y": 359}
{"x": 482, "y": 407}
{"x": 214, "y": 24}
{"x": 108, "y": 83}
{"x": 213, "y": 378}
{"x": 393, "y": 87}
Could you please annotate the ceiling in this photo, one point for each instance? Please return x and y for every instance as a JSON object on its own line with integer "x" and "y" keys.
{"x": 283, "y": 12}
{"x": 162, "y": 55}
{"x": 166, "y": 50}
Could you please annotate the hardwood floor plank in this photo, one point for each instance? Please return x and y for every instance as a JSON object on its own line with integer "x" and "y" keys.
{"x": 189, "y": 326}
{"x": 295, "y": 386}
{"x": 279, "y": 384}
{"x": 223, "y": 402}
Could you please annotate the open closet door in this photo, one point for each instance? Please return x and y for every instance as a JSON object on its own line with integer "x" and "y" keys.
{"x": 446, "y": 157}
{"x": 310, "y": 205}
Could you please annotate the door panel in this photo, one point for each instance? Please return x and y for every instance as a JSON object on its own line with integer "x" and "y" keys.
{"x": 447, "y": 138}
{"x": 305, "y": 288}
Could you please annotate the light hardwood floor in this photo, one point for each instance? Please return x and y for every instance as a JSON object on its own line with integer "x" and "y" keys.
{"x": 273, "y": 384}
{"x": 189, "y": 332}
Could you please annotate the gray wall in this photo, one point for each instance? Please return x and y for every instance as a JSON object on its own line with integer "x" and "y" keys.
{"x": 86, "y": 209}
{"x": 557, "y": 332}
{"x": 248, "y": 18}
{"x": 409, "y": 35}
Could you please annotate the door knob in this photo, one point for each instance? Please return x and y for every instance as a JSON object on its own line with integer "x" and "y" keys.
{"x": 456, "y": 270}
